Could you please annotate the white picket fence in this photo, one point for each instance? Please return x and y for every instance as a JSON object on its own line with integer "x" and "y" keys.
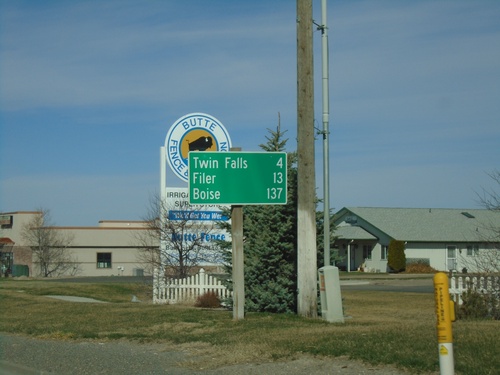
{"x": 186, "y": 290}
{"x": 481, "y": 284}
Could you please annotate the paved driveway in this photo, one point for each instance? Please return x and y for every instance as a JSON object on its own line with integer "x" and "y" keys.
{"x": 397, "y": 284}
{"x": 374, "y": 282}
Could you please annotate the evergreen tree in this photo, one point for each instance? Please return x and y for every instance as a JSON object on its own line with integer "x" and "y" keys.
{"x": 270, "y": 243}
{"x": 396, "y": 259}
{"x": 270, "y": 246}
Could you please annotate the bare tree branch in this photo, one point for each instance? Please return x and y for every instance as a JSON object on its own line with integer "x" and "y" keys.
{"x": 189, "y": 242}
{"x": 49, "y": 246}
{"x": 490, "y": 199}
{"x": 487, "y": 259}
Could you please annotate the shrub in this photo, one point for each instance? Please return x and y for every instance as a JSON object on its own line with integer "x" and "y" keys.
{"x": 418, "y": 260}
{"x": 419, "y": 267}
{"x": 396, "y": 259}
{"x": 476, "y": 305}
{"x": 209, "y": 300}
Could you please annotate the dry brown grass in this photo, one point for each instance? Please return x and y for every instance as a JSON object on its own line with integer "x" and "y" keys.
{"x": 382, "y": 328}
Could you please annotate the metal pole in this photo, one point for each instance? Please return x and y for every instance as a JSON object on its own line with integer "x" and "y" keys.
{"x": 326, "y": 114}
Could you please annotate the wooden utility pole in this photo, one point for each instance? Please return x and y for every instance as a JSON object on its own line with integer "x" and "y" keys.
{"x": 238, "y": 259}
{"x": 306, "y": 216}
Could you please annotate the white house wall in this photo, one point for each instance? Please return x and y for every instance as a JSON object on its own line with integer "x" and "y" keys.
{"x": 435, "y": 252}
{"x": 438, "y": 255}
{"x": 376, "y": 264}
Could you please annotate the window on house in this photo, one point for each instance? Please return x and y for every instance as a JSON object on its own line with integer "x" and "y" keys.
{"x": 472, "y": 250}
{"x": 103, "y": 260}
{"x": 452, "y": 257}
{"x": 385, "y": 251}
{"x": 367, "y": 251}
{"x": 6, "y": 221}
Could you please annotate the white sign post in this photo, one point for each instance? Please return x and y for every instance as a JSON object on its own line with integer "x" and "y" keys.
{"x": 192, "y": 132}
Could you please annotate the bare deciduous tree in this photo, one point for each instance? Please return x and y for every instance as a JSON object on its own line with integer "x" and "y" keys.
{"x": 188, "y": 240}
{"x": 490, "y": 199}
{"x": 487, "y": 260}
{"x": 49, "y": 246}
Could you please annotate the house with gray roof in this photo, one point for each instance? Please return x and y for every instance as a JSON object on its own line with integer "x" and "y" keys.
{"x": 446, "y": 239}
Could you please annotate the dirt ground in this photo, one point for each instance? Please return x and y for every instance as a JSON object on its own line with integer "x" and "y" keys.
{"x": 26, "y": 356}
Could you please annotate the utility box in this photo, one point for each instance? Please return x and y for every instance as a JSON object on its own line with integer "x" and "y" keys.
{"x": 20, "y": 270}
{"x": 331, "y": 299}
{"x": 138, "y": 272}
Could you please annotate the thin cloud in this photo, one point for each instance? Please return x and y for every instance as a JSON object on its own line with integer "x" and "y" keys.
{"x": 80, "y": 56}
{"x": 89, "y": 90}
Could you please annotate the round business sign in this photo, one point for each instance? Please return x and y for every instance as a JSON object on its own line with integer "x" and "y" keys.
{"x": 194, "y": 132}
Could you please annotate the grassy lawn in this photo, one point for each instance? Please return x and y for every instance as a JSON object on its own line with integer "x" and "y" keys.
{"x": 382, "y": 328}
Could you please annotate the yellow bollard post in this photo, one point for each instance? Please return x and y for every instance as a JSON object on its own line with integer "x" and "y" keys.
{"x": 445, "y": 314}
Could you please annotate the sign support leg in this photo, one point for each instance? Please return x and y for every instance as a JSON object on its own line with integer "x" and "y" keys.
{"x": 162, "y": 206}
{"x": 238, "y": 262}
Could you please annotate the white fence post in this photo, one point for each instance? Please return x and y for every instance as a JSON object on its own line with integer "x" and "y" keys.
{"x": 155, "y": 285}
{"x": 484, "y": 285}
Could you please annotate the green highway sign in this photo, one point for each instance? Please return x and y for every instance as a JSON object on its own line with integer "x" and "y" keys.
{"x": 237, "y": 178}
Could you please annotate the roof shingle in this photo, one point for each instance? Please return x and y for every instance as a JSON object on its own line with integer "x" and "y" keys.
{"x": 431, "y": 225}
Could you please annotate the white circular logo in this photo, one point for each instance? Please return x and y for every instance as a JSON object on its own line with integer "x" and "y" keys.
{"x": 194, "y": 132}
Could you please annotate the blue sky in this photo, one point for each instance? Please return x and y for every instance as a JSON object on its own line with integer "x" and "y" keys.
{"x": 89, "y": 89}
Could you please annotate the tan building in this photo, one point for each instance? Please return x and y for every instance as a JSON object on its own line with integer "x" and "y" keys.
{"x": 111, "y": 248}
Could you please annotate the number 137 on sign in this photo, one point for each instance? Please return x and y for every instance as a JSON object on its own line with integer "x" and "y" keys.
{"x": 274, "y": 193}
